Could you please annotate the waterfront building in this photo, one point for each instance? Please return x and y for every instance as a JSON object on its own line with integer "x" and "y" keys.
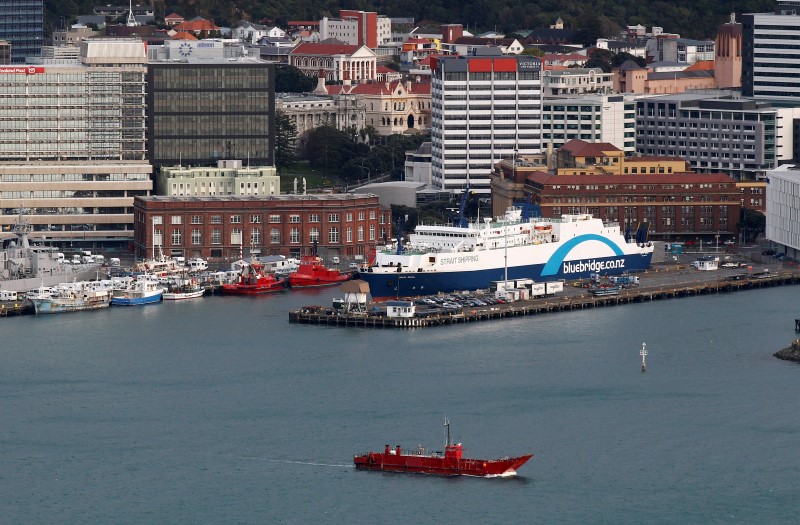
{"x": 228, "y": 228}
{"x": 738, "y": 136}
{"x": 22, "y": 25}
{"x": 769, "y": 53}
{"x": 485, "y": 107}
{"x": 591, "y": 118}
{"x": 209, "y": 102}
{"x": 678, "y": 206}
{"x": 783, "y": 201}
{"x": 228, "y": 178}
{"x": 73, "y": 143}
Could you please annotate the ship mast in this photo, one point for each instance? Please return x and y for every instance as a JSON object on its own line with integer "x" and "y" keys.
{"x": 447, "y": 441}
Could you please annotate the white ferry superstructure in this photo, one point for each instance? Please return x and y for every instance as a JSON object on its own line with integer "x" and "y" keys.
{"x": 451, "y": 258}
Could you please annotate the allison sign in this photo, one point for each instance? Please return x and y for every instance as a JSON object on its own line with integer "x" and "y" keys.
{"x": 21, "y": 70}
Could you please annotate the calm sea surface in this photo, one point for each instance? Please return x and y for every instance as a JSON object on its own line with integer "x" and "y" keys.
{"x": 220, "y": 411}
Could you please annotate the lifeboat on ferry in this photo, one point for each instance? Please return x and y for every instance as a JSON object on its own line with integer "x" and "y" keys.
{"x": 543, "y": 227}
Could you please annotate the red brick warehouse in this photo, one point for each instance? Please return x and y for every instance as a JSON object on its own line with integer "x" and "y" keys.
{"x": 227, "y": 228}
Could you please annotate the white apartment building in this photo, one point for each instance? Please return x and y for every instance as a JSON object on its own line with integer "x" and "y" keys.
{"x": 576, "y": 81}
{"x": 770, "y": 61}
{"x": 227, "y": 179}
{"x": 358, "y": 28}
{"x": 783, "y": 201}
{"x": 485, "y": 107}
{"x": 592, "y": 118}
{"x": 72, "y": 144}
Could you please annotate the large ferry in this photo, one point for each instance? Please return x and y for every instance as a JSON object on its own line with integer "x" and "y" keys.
{"x": 450, "y": 258}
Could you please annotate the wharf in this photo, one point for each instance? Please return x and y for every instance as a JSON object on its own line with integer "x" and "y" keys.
{"x": 579, "y": 300}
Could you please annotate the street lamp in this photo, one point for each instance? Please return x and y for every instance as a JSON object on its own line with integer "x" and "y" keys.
{"x": 717, "y": 237}
{"x": 369, "y": 172}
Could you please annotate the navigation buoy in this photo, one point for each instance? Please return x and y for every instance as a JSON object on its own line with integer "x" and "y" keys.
{"x": 643, "y": 353}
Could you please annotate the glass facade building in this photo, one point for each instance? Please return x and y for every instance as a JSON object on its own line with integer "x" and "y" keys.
{"x": 21, "y": 24}
{"x": 202, "y": 112}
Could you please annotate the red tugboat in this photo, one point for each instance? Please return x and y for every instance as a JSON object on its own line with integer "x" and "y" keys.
{"x": 253, "y": 281}
{"x": 451, "y": 464}
{"x": 312, "y": 273}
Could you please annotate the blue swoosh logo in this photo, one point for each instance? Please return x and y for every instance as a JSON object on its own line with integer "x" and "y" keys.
{"x": 554, "y": 263}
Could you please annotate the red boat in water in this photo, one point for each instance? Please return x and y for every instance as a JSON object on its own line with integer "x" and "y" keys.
{"x": 450, "y": 464}
{"x": 312, "y": 272}
{"x": 253, "y": 281}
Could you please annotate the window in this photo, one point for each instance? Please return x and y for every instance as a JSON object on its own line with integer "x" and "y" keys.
{"x": 236, "y": 219}
{"x": 255, "y": 237}
{"x": 371, "y": 232}
{"x": 216, "y": 219}
{"x": 314, "y": 217}
{"x": 294, "y": 236}
{"x": 274, "y": 219}
{"x": 361, "y": 215}
{"x": 333, "y": 235}
{"x": 349, "y": 234}
{"x": 158, "y": 219}
{"x": 197, "y": 237}
{"x": 197, "y": 219}
{"x": 294, "y": 219}
{"x": 158, "y": 238}
{"x": 176, "y": 237}
{"x": 236, "y": 236}
{"x": 333, "y": 217}
{"x": 349, "y": 217}
{"x": 313, "y": 235}
{"x": 361, "y": 233}
{"x": 177, "y": 219}
{"x": 255, "y": 219}
{"x": 216, "y": 236}
{"x": 275, "y": 236}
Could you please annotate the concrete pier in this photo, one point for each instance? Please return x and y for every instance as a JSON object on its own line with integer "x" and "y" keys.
{"x": 651, "y": 289}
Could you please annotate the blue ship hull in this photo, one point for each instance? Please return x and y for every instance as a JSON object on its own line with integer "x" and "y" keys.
{"x": 405, "y": 284}
{"x": 136, "y": 301}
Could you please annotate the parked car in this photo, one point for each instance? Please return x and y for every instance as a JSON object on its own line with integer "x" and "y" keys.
{"x": 730, "y": 264}
{"x": 768, "y": 251}
{"x": 730, "y": 242}
{"x": 779, "y": 256}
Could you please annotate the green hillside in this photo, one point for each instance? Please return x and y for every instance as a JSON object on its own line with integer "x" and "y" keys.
{"x": 690, "y": 18}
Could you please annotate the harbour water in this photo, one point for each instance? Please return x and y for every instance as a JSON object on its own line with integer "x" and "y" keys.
{"x": 219, "y": 411}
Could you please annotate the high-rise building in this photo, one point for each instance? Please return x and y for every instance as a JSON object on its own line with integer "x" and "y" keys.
{"x": 769, "y": 51}
{"x": 73, "y": 143}
{"x": 740, "y": 137}
{"x": 783, "y": 201}
{"x": 485, "y": 107}
{"x": 209, "y": 102}
{"x": 593, "y": 118}
{"x": 357, "y": 28}
{"x": 21, "y": 24}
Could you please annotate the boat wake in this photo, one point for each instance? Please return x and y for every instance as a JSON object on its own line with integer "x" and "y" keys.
{"x": 292, "y": 462}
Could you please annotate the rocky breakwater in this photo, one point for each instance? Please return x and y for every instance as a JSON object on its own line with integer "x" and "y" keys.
{"x": 792, "y": 353}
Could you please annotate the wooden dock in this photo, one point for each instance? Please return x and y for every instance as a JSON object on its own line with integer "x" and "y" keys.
{"x": 330, "y": 317}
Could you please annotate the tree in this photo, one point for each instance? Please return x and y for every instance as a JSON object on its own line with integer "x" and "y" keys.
{"x": 289, "y": 79}
{"x": 285, "y": 140}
